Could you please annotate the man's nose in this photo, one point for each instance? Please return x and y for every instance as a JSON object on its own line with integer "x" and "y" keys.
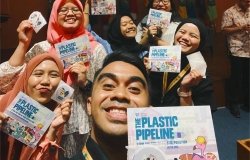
{"x": 121, "y": 94}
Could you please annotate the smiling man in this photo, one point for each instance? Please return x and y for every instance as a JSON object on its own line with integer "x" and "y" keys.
{"x": 121, "y": 83}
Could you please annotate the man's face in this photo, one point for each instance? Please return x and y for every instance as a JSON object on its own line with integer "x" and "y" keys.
{"x": 119, "y": 86}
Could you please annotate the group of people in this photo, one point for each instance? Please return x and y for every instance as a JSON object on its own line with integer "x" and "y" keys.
{"x": 93, "y": 123}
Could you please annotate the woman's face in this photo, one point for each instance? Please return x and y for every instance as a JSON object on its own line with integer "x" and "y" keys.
{"x": 164, "y": 5}
{"x": 188, "y": 37}
{"x": 43, "y": 81}
{"x": 70, "y": 17}
{"x": 128, "y": 28}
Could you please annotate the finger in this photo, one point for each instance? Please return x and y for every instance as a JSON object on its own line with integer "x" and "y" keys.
{"x": 67, "y": 102}
{"x": 2, "y": 116}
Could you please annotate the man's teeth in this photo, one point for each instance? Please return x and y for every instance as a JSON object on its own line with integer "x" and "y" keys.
{"x": 118, "y": 111}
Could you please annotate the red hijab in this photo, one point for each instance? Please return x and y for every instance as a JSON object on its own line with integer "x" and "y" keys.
{"x": 55, "y": 33}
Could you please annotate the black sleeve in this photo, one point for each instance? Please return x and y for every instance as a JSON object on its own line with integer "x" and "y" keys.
{"x": 202, "y": 94}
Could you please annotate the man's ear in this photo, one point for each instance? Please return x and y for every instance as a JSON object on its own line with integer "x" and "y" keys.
{"x": 89, "y": 106}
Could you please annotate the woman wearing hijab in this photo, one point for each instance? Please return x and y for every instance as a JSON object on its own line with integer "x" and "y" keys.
{"x": 187, "y": 87}
{"x": 39, "y": 81}
{"x": 155, "y": 35}
{"x": 121, "y": 36}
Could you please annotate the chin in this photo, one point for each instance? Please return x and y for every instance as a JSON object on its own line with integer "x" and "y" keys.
{"x": 43, "y": 101}
{"x": 70, "y": 28}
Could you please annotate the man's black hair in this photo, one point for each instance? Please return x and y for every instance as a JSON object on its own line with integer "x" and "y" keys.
{"x": 127, "y": 58}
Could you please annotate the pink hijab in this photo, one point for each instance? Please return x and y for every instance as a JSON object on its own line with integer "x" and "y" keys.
{"x": 55, "y": 33}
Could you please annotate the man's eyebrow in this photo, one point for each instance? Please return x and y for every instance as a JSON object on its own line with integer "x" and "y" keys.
{"x": 114, "y": 77}
{"x": 137, "y": 79}
{"x": 107, "y": 75}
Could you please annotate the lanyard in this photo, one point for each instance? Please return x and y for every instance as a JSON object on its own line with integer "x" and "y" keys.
{"x": 86, "y": 154}
{"x": 165, "y": 87}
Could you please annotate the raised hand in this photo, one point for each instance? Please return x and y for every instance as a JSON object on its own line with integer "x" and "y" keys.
{"x": 25, "y": 32}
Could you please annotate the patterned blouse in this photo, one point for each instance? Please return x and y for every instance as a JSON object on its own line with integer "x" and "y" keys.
{"x": 238, "y": 42}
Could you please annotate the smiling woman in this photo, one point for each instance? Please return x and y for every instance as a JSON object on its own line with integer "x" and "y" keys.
{"x": 39, "y": 81}
{"x": 189, "y": 87}
{"x": 121, "y": 36}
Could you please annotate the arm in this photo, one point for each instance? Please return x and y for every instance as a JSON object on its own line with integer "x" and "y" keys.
{"x": 48, "y": 146}
{"x": 86, "y": 14}
{"x": 155, "y": 37}
{"x": 191, "y": 79}
{"x": 25, "y": 32}
{"x": 79, "y": 71}
{"x": 10, "y": 70}
{"x": 229, "y": 26}
{"x": 236, "y": 28}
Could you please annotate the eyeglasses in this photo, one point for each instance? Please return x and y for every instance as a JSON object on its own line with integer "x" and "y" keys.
{"x": 64, "y": 10}
{"x": 163, "y": 1}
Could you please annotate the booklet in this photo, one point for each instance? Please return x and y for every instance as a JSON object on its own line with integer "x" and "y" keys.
{"x": 74, "y": 50}
{"x": 159, "y": 18}
{"x": 103, "y": 7}
{"x": 198, "y": 63}
{"x": 165, "y": 58}
{"x": 62, "y": 92}
{"x": 27, "y": 120}
{"x": 171, "y": 133}
{"x": 37, "y": 20}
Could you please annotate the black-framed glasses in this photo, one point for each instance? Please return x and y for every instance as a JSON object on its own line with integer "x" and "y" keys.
{"x": 64, "y": 10}
{"x": 163, "y": 1}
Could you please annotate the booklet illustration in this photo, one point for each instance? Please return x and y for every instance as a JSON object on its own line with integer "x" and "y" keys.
{"x": 27, "y": 120}
{"x": 74, "y": 50}
{"x": 103, "y": 7}
{"x": 159, "y": 18}
{"x": 165, "y": 58}
{"x": 171, "y": 133}
{"x": 62, "y": 92}
{"x": 37, "y": 20}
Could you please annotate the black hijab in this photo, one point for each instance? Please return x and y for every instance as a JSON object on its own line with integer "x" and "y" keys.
{"x": 118, "y": 42}
{"x": 202, "y": 29}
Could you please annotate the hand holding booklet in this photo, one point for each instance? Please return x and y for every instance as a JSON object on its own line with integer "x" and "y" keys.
{"x": 74, "y": 50}
{"x": 198, "y": 63}
{"x": 27, "y": 120}
{"x": 165, "y": 58}
{"x": 159, "y": 18}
